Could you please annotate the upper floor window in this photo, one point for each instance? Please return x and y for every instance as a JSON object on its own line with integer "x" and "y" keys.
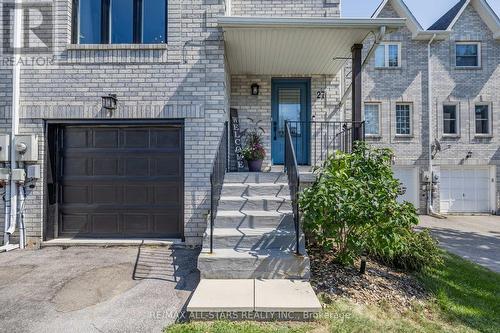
{"x": 483, "y": 119}
{"x": 372, "y": 119}
{"x": 388, "y": 55}
{"x": 119, "y": 21}
{"x": 450, "y": 119}
{"x": 403, "y": 119}
{"x": 468, "y": 54}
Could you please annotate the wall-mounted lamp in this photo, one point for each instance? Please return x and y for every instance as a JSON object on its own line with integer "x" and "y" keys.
{"x": 109, "y": 102}
{"x": 469, "y": 155}
{"x": 255, "y": 89}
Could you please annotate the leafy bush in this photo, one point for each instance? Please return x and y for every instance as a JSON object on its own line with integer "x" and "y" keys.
{"x": 352, "y": 208}
{"x": 417, "y": 250}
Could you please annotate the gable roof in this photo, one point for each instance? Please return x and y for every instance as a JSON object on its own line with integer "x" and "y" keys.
{"x": 487, "y": 14}
{"x": 445, "y": 21}
{"x": 403, "y": 11}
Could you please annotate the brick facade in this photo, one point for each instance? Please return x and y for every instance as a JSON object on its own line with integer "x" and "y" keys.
{"x": 185, "y": 79}
{"x": 465, "y": 87}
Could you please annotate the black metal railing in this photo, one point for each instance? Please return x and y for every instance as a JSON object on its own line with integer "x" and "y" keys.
{"x": 324, "y": 137}
{"x": 292, "y": 171}
{"x": 219, "y": 169}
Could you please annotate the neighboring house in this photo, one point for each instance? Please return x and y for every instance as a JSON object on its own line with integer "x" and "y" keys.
{"x": 463, "y": 88}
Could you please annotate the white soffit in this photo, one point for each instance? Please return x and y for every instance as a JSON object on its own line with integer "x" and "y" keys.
{"x": 295, "y": 46}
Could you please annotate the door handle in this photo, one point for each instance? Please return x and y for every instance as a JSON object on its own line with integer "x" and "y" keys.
{"x": 275, "y": 129}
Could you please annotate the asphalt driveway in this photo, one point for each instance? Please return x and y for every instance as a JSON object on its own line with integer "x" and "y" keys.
{"x": 79, "y": 289}
{"x": 476, "y": 238}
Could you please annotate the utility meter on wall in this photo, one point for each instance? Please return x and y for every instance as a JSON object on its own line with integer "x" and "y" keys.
{"x": 27, "y": 148}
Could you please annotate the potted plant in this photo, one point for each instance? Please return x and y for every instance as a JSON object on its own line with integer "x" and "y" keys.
{"x": 254, "y": 151}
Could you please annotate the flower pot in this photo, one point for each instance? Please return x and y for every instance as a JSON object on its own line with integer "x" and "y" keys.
{"x": 255, "y": 166}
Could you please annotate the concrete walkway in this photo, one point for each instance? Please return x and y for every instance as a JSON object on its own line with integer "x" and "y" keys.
{"x": 475, "y": 238}
{"x": 85, "y": 289}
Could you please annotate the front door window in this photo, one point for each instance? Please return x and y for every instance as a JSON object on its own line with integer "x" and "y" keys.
{"x": 290, "y": 103}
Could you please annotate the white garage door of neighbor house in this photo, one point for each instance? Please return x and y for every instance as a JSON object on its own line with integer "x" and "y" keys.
{"x": 465, "y": 190}
{"x": 408, "y": 176}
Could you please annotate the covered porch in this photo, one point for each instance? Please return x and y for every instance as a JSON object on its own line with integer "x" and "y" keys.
{"x": 304, "y": 71}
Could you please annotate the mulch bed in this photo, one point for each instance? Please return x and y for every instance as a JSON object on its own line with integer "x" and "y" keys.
{"x": 380, "y": 284}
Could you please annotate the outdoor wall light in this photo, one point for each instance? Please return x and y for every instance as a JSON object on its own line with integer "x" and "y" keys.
{"x": 255, "y": 89}
{"x": 469, "y": 155}
{"x": 109, "y": 102}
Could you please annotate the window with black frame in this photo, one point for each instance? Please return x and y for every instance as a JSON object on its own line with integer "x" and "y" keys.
{"x": 450, "y": 119}
{"x": 119, "y": 22}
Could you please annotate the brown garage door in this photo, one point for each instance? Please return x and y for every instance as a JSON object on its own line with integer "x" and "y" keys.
{"x": 121, "y": 181}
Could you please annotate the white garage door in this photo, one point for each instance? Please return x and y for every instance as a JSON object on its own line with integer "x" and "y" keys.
{"x": 465, "y": 190}
{"x": 408, "y": 176}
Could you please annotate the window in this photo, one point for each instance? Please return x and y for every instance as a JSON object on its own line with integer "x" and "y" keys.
{"x": 90, "y": 22}
{"x": 372, "y": 119}
{"x": 482, "y": 115}
{"x": 403, "y": 119}
{"x": 450, "y": 120}
{"x": 388, "y": 55}
{"x": 119, "y": 21}
{"x": 468, "y": 54}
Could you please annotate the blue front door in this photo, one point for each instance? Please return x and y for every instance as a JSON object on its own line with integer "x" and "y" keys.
{"x": 291, "y": 101}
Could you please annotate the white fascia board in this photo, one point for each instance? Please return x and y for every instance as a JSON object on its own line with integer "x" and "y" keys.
{"x": 429, "y": 34}
{"x": 403, "y": 10}
{"x": 300, "y": 22}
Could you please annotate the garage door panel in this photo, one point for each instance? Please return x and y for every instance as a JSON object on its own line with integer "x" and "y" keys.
{"x": 134, "y": 178}
{"x": 167, "y": 194}
{"x": 75, "y": 166}
{"x": 136, "y": 166}
{"x": 105, "y": 223}
{"x": 75, "y": 194}
{"x": 465, "y": 190}
{"x": 165, "y": 223}
{"x": 106, "y": 138}
{"x": 169, "y": 165}
{"x": 165, "y": 139}
{"x": 75, "y": 138}
{"x": 73, "y": 223}
{"x": 136, "y": 224}
{"x": 136, "y": 138}
{"x": 137, "y": 194}
{"x": 106, "y": 194}
{"x": 105, "y": 166}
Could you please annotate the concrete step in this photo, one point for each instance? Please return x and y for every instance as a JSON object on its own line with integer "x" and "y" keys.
{"x": 253, "y": 189}
{"x": 265, "y": 264}
{"x": 260, "y": 203}
{"x": 256, "y": 178}
{"x": 254, "y": 219}
{"x": 254, "y": 239}
{"x": 285, "y": 300}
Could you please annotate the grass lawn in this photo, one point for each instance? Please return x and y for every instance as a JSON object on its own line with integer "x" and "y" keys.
{"x": 466, "y": 300}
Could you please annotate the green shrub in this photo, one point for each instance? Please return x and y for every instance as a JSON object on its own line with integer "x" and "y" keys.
{"x": 417, "y": 250}
{"x": 352, "y": 208}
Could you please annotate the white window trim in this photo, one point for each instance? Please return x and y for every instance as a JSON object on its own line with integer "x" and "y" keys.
{"x": 490, "y": 120}
{"x": 379, "y": 104}
{"x": 396, "y": 120}
{"x": 479, "y": 52}
{"x": 457, "y": 121}
{"x": 386, "y": 55}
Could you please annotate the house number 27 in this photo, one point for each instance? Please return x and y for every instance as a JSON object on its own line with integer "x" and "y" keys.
{"x": 321, "y": 94}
